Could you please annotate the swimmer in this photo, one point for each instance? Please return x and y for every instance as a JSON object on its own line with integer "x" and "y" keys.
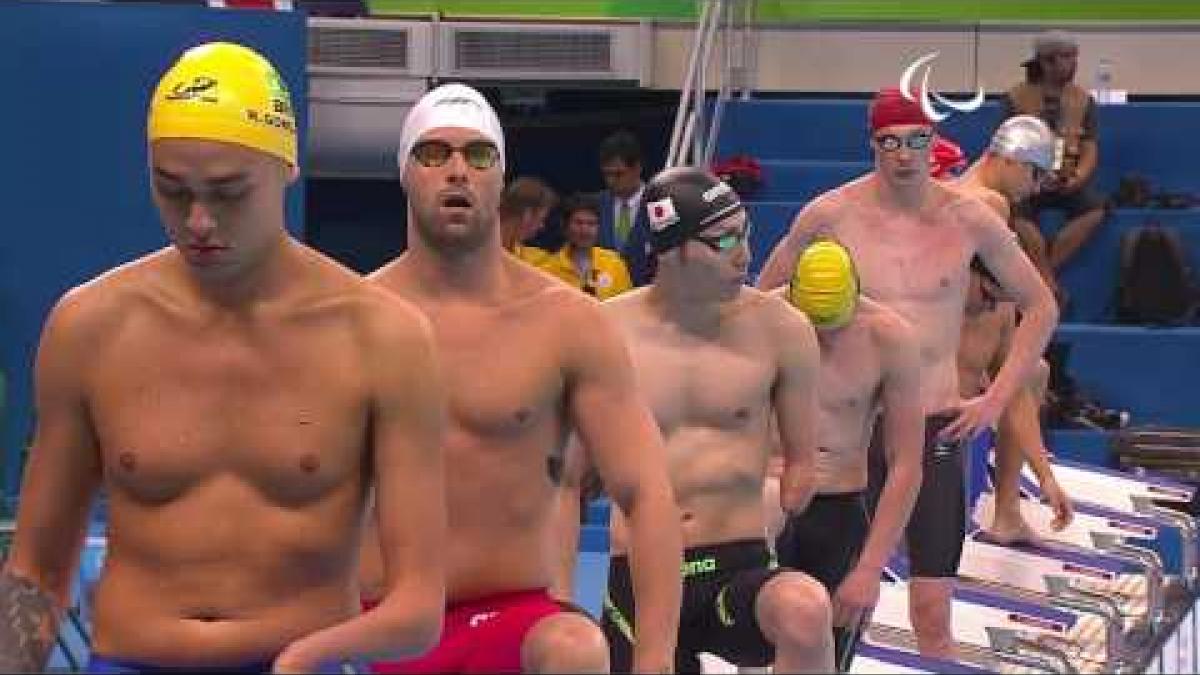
{"x": 528, "y": 359}
{"x": 1021, "y": 159}
{"x": 235, "y": 395}
{"x": 717, "y": 361}
{"x": 870, "y": 369}
{"x": 912, "y": 240}
{"x": 1021, "y": 155}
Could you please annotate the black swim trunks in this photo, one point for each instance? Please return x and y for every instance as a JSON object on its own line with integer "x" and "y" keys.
{"x": 824, "y": 542}
{"x": 720, "y": 586}
{"x": 938, "y": 525}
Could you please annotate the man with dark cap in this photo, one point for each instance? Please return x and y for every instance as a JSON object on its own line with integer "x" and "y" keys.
{"x": 1049, "y": 92}
{"x": 912, "y": 239}
{"x": 717, "y": 361}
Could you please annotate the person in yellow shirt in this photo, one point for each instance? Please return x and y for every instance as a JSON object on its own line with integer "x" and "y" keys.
{"x": 597, "y": 271}
{"x": 523, "y": 208}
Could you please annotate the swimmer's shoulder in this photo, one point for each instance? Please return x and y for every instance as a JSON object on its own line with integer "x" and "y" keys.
{"x": 829, "y": 206}
{"x": 629, "y": 302}
{"x": 997, "y": 202}
{"x": 386, "y": 324}
{"x": 973, "y": 209}
{"x": 777, "y": 313}
{"x": 889, "y": 329}
{"x": 88, "y": 312}
{"x": 392, "y": 275}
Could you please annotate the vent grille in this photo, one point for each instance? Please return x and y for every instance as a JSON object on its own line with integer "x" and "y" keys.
{"x": 572, "y": 52}
{"x": 357, "y": 48}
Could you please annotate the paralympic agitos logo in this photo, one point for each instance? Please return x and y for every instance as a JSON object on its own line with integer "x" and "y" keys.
{"x": 927, "y": 97}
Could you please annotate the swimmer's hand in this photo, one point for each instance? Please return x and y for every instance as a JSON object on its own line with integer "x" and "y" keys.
{"x": 974, "y": 416}
{"x": 855, "y": 597}
{"x": 796, "y": 487}
{"x": 1064, "y": 511}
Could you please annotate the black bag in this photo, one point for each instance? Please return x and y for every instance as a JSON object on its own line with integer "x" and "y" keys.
{"x": 1154, "y": 283}
{"x": 1133, "y": 191}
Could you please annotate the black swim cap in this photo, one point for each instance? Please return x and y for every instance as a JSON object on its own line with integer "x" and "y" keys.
{"x": 682, "y": 201}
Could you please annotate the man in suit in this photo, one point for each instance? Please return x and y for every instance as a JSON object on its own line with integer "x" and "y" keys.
{"x": 623, "y": 224}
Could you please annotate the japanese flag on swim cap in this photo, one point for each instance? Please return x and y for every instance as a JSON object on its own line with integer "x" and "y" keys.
{"x": 450, "y": 105}
{"x": 682, "y": 201}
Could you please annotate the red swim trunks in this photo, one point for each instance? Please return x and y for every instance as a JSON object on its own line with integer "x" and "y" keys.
{"x": 482, "y": 635}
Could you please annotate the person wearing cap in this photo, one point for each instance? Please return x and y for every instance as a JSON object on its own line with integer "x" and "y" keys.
{"x": 870, "y": 371}
{"x": 1019, "y": 159}
{"x": 236, "y": 395}
{"x": 528, "y": 359}
{"x": 912, "y": 239}
{"x": 717, "y": 361}
{"x": 1049, "y": 92}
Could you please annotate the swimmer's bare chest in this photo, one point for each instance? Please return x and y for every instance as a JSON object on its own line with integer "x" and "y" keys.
{"x": 281, "y": 407}
{"x": 919, "y": 268}
{"x": 849, "y": 388}
{"x": 711, "y": 398}
{"x": 507, "y": 395}
{"x": 906, "y": 260}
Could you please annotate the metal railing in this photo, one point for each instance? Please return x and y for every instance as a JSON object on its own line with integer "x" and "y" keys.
{"x": 694, "y": 133}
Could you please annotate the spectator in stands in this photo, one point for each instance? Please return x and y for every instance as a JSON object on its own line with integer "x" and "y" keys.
{"x": 1048, "y": 92}
{"x": 523, "y": 208}
{"x": 623, "y": 224}
{"x": 597, "y": 271}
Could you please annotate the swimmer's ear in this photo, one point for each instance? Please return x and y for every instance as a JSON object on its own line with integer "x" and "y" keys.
{"x": 293, "y": 173}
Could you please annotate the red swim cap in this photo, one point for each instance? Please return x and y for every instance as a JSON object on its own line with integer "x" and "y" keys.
{"x": 890, "y": 107}
{"x": 947, "y": 159}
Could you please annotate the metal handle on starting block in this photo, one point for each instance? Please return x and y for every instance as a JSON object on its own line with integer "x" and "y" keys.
{"x": 1013, "y": 643}
{"x": 1189, "y": 532}
{"x": 1106, "y": 607}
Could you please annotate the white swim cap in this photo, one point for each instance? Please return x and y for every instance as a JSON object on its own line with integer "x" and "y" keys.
{"x": 450, "y": 105}
{"x": 1026, "y": 138}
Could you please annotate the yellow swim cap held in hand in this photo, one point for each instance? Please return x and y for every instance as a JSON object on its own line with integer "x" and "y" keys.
{"x": 225, "y": 92}
{"x": 825, "y": 284}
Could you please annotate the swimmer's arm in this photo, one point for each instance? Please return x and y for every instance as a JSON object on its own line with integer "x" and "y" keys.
{"x": 794, "y": 399}
{"x": 1003, "y": 256}
{"x": 903, "y": 435}
{"x": 777, "y": 271}
{"x": 406, "y": 437}
{"x": 623, "y": 443}
{"x": 60, "y": 480}
{"x": 1022, "y": 424}
{"x": 566, "y": 519}
{"x": 997, "y": 203}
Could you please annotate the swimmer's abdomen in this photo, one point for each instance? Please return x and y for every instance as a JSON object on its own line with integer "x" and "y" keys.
{"x": 241, "y": 587}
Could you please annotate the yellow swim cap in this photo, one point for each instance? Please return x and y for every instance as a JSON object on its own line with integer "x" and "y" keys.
{"x": 825, "y": 285}
{"x": 225, "y": 92}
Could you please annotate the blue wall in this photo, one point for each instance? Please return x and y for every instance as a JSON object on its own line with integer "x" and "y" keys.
{"x": 77, "y": 80}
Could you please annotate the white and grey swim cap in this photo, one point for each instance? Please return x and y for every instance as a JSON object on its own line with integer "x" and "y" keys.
{"x": 1026, "y": 138}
